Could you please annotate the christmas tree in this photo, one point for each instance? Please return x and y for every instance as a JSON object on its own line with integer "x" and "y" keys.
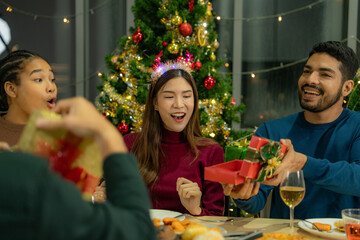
{"x": 352, "y": 101}
{"x": 179, "y": 30}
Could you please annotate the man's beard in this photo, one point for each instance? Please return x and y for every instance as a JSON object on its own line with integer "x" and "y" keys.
{"x": 323, "y": 103}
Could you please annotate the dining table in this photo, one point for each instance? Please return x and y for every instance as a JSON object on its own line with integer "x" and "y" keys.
{"x": 266, "y": 225}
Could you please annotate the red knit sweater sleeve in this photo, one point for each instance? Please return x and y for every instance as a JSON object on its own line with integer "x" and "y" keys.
{"x": 212, "y": 193}
{"x": 129, "y": 140}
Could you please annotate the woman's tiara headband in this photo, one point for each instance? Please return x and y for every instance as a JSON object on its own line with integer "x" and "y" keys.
{"x": 160, "y": 68}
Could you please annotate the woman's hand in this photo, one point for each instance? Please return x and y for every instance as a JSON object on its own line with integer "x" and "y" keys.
{"x": 190, "y": 195}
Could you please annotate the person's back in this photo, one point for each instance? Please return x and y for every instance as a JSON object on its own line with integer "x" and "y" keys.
{"x": 37, "y": 203}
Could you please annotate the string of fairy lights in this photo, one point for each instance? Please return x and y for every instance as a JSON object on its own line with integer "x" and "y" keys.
{"x": 109, "y": 100}
{"x": 65, "y": 18}
{"x": 279, "y": 16}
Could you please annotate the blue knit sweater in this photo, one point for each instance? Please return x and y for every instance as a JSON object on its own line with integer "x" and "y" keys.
{"x": 332, "y": 170}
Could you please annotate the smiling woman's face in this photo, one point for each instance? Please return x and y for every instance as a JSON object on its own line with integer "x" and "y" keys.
{"x": 36, "y": 91}
{"x": 175, "y": 104}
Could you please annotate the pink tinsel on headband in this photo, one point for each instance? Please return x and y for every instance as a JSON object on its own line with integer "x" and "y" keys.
{"x": 160, "y": 68}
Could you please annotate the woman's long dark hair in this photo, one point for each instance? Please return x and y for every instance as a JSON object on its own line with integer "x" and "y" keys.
{"x": 147, "y": 145}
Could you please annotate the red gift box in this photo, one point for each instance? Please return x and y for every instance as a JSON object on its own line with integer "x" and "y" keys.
{"x": 236, "y": 171}
{"x": 258, "y": 142}
{"x": 233, "y": 172}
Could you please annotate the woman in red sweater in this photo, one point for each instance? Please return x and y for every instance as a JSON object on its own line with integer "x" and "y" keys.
{"x": 170, "y": 149}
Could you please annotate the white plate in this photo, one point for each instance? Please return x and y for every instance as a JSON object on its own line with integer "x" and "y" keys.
{"x": 161, "y": 214}
{"x": 333, "y": 234}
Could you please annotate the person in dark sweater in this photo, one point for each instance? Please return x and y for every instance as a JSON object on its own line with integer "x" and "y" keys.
{"x": 170, "y": 149}
{"x": 27, "y": 83}
{"x": 323, "y": 141}
{"x": 38, "y": 204}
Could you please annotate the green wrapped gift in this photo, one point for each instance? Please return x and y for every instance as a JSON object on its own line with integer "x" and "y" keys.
{"x": 234, "y": 153}
{"x": 236, "y": 150}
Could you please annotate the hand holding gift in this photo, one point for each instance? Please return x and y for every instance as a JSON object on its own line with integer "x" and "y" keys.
{"x": 74, "y": 142}
{"x": 292, "y": 161}
{"x": 262, "y": 158}
{"x": 245, "y": 190}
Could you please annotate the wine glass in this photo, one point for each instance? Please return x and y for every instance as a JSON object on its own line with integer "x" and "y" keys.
{"x": 292, "y": 192}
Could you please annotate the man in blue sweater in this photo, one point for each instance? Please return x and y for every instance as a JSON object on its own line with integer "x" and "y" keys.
{"x": 323, "y": 141}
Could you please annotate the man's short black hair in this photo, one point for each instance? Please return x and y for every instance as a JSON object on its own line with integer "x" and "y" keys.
{"x": 342, "y": 53}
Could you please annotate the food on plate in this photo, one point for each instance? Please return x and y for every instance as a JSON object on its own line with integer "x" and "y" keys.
{"x": 193, "y": 230}
{"x": 165, "y": 233}
{"x": 196, "y": 231}
{"x": 156, "y": 222}
{"x": 282, "y": 236}
{"x": 177, "y": 227}
{"x": 188, "y": 230}
{"x": 340, "y": 225}
{"x": 322, "y": 226}
{"x": 169, "y": 220}
{"x": 185, "y": 223}
{"x": 210, "y": 235}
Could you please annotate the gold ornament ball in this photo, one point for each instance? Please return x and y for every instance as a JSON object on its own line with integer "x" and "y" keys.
{"x": 176, "y": 20}
{"x": 213, "y": 57}
{"x": 173, "y": 48}
{"x": 216, "y": 44}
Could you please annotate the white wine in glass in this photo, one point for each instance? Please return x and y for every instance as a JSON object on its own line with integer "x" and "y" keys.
{"x": 292, "y": 192}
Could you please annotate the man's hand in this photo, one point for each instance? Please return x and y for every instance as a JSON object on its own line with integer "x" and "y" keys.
{"x": 293, "y": 161}
{"x": 243, "y": 191}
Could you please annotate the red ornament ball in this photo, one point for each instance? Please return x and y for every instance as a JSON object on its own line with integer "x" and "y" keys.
{"x": 185, "y": 29}
{"x": 209, "y": 82}
{"x": 181, "y": 59}
{"x": 123, "y": 128}
{"x": 197, "y": 65}
{"x": 137, "y": 36}
{"x": 164, "y": 44}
